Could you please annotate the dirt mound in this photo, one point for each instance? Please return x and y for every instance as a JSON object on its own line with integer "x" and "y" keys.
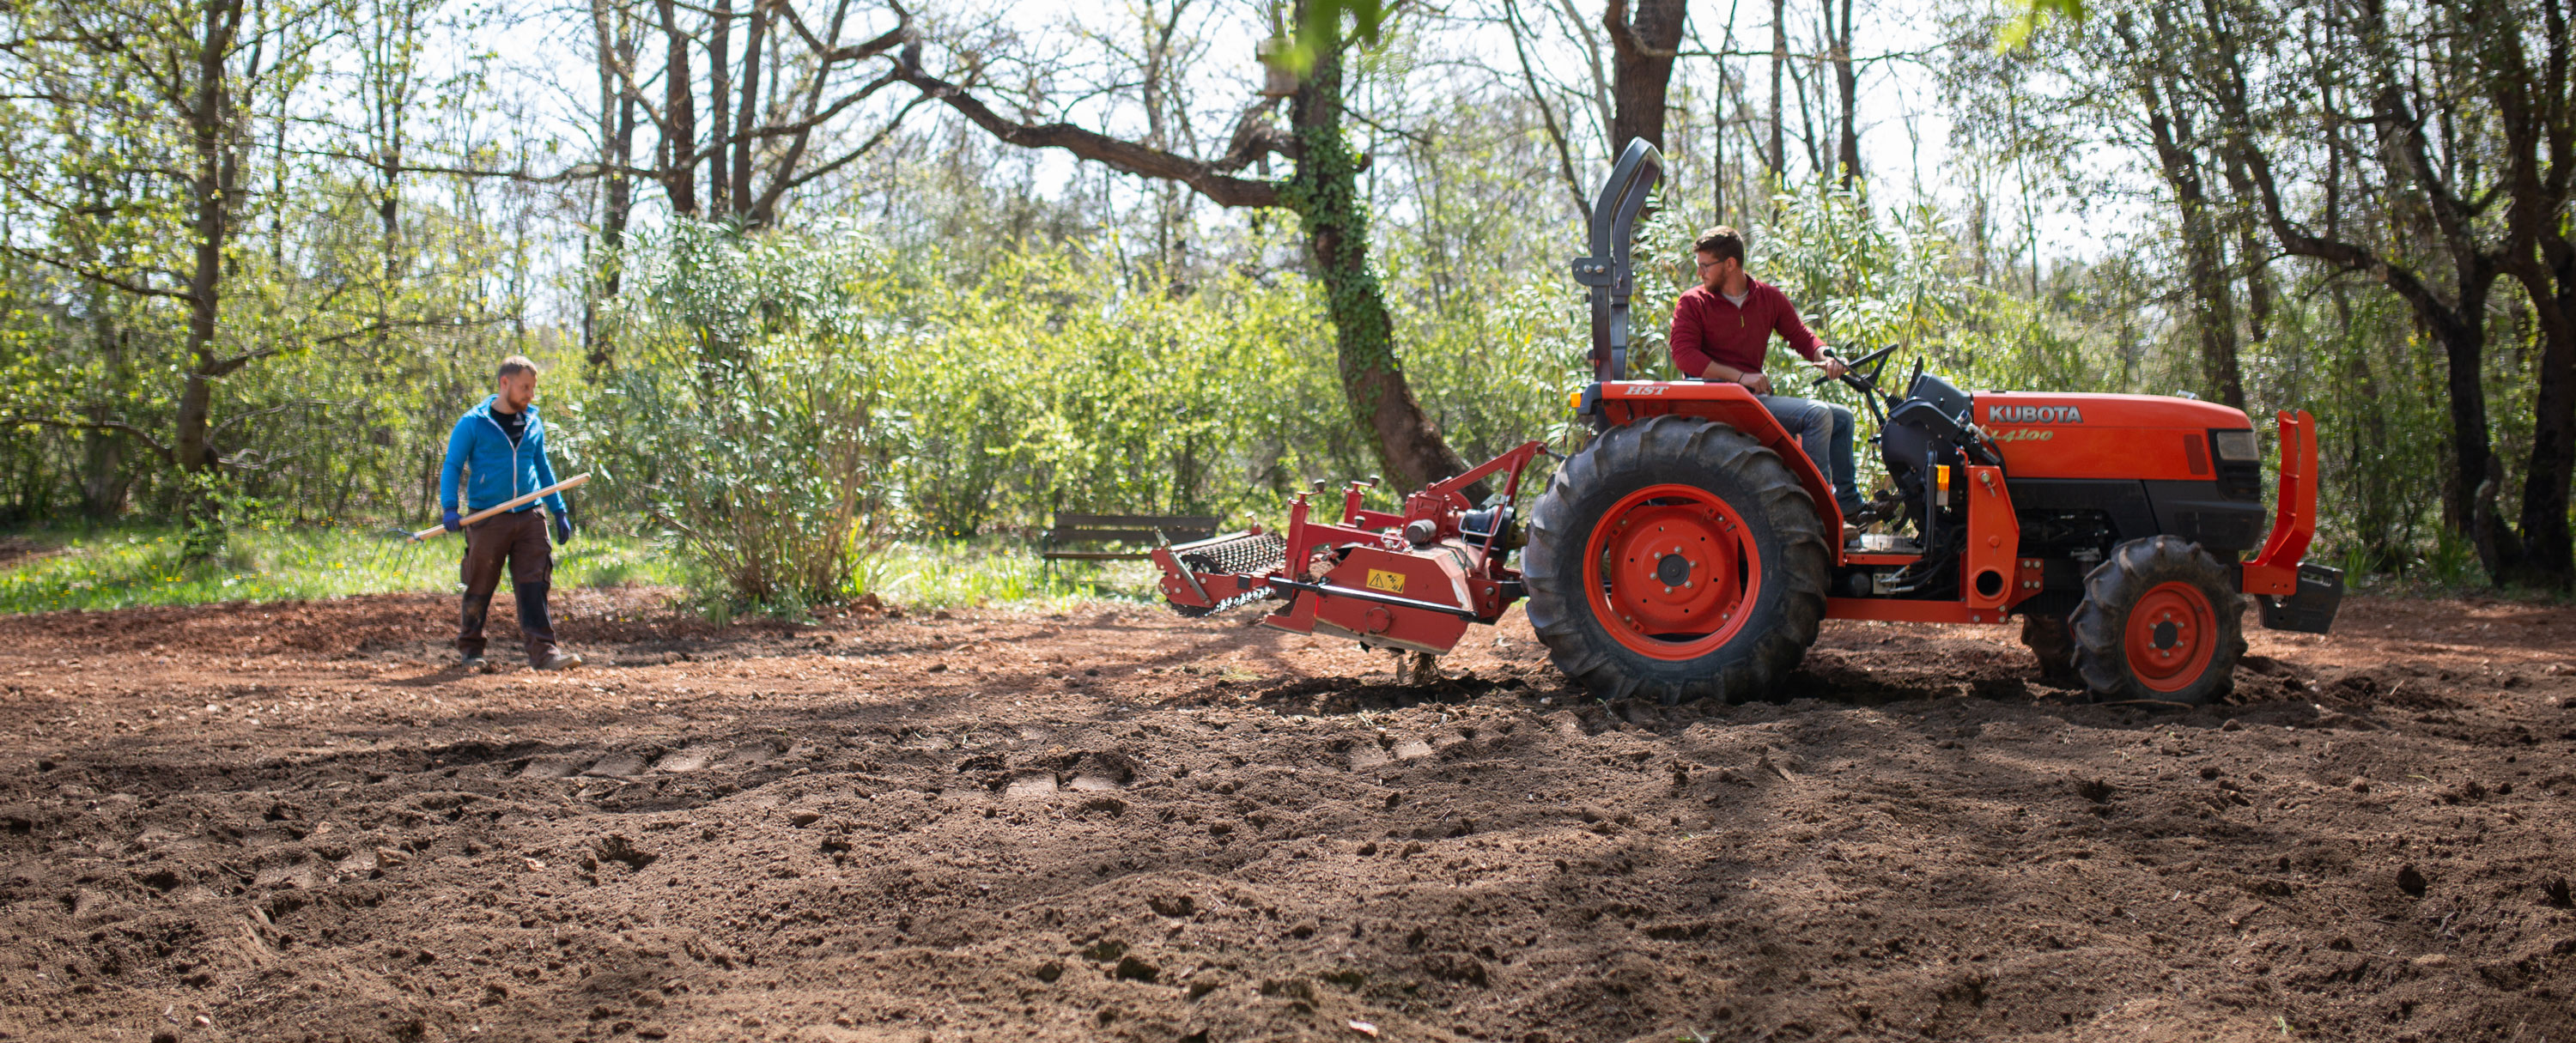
{"x": 294, "y": 822}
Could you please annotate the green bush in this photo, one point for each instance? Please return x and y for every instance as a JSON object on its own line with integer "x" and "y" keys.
{"x": 743, "y": 413}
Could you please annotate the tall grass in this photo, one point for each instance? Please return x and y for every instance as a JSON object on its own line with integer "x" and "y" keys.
{"x": 951, "y": 573}
{"x": 131, "y": 566}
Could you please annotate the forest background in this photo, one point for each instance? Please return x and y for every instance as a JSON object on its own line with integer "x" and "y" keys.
{"x": 815, "y": 276}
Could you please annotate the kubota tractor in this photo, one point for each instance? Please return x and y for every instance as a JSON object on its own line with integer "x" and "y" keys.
{"x": 1690, "y": 549}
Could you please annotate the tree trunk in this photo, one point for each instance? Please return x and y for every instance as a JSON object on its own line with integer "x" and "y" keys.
{"x": 1779, "y": 65}
{"x": 2545, "y": 536}
{"x": 615, "y": 36}
{"x": 1641, "y": 67}
{"x": 103, "y": 478}
{"x": 750, "y": 109}
{"x": 2534, "y": 108}
{"x": 1717, "y": 168}
{"x": 719, "y": 89}
{"x": 679, "y": 117}
{"x": 210, "y": 117}
{"x": 2462, "y": 336}
{"x": 2178, "y": 159}
{"x": 1325, "y": 195}
{"x": 1847, "y": 82}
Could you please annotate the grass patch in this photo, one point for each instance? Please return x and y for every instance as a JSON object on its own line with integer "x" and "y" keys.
{"x": 129, "y": 566}
{"x": 953, "y": 573}
{"x": 135, "y": 565}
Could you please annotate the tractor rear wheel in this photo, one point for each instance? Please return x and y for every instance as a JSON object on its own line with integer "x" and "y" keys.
{"x": 2159, "y": 621}
{"x": 1676, "y": 558}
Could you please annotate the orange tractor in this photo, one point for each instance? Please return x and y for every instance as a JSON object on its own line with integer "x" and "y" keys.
{"x": 1689, "y": 549}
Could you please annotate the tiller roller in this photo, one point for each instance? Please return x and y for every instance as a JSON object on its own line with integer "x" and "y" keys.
{"x": 1411, "y": 581}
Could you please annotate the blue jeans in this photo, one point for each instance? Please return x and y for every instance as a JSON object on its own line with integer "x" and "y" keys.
{"x": 1824, "y": 431}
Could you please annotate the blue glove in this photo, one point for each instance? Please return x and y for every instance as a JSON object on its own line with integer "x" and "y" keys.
{"x": 563, "y": 528}
{"x": 452, "y": 521}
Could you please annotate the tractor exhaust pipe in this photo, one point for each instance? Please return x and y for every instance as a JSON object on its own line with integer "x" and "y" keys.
{"x": 1608, "y": 271}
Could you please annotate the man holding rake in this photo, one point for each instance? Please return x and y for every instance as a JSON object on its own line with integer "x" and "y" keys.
{"x": 497, "y": 453}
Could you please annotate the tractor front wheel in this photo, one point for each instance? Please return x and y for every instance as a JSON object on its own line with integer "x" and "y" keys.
{"x": 1676, "y": 558}
{"x": 2159, "y": 621}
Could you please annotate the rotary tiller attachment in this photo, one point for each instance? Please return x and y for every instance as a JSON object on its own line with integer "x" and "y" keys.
{"x": 1410, "y": 581}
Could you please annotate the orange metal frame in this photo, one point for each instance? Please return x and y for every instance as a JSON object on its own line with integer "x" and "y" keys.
{"x": 1993, "y": 576}
{"x": 2275, "y": 570}
{"x": 1625, "y": 402}
{"x": 1994, "y": 545}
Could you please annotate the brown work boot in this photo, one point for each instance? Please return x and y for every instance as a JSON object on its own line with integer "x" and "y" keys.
{"x": 557, "y": 660}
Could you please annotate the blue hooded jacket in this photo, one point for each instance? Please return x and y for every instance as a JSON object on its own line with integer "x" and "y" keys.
{"x": 496, "y": 472}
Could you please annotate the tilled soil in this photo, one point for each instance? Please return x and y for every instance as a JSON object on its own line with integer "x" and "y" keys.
{"x": 295, "y": 822}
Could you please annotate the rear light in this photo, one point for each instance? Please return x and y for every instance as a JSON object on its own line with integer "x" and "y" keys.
{"x": 2235, "y": 446}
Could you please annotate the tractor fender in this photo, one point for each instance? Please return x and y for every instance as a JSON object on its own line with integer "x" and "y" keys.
{"x": 1619, "y": 403}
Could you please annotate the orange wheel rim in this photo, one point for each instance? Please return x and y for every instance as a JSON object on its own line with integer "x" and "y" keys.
{"x": 1671, "y": 571}
{"x": 2172, "y": 634}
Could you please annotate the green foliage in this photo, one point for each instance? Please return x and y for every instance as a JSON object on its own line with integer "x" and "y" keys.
{"x": 2029, "y": 16}
{"x": 745, "y": 416}
{"x": 1047, "y": 386}
{"x": 1319, "y": 28}
{"x": 2452, "y": 561}
{"x": 217, "y": 506}
{"x": 953, "y": 573}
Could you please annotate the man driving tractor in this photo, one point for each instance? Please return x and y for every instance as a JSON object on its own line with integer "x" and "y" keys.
{"x": 1722, "y": 329}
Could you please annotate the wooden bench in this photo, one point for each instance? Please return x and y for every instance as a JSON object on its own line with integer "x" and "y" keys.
{"x": 1093, "y": 530}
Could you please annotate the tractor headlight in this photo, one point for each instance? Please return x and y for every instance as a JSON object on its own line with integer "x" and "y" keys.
{"x": 2235, "y": 446}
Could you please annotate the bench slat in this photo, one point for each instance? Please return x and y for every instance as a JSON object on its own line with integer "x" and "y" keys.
{"x": 1136, "y": 521}
{"x": 1120, "y": 535}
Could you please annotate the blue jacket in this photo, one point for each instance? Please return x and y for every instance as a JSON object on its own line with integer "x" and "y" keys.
{"x": 496, "y": 472}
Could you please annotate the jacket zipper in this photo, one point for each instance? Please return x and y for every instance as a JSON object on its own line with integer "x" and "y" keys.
{"x": 514, "y": 448}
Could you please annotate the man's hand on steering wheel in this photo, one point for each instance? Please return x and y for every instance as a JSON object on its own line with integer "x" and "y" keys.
{"x": 1829, "y": 368}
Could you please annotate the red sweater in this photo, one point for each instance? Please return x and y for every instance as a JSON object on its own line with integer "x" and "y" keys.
{"x": 1708, "y": 327}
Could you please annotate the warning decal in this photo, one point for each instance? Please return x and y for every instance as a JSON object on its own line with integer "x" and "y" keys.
{"x": 1390, "y": 582}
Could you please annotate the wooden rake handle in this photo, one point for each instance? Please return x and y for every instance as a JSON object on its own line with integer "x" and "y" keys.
{"x": 568, "y": 483}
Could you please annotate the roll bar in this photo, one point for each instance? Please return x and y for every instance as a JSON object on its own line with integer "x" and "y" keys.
{"x": 1608, "y": 271}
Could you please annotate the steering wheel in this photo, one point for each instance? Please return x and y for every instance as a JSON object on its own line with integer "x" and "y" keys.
{"x": 1853, "y": 376}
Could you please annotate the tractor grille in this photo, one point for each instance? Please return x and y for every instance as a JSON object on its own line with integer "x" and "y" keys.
{"x": 1245, "y": 555}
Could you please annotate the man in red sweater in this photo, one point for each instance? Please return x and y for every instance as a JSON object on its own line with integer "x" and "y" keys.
{"x": 1722, "y": 329}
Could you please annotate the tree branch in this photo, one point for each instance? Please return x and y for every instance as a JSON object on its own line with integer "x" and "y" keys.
{"x": 86, "y": 424}
{"x": 1208, "y": 179}
{"x": 97, "y": 276}
{"x": 275, "y": 409}
{"x": 864, "y": 147}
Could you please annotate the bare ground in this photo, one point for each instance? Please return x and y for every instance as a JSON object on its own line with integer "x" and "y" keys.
{"x": 294, "y": 822}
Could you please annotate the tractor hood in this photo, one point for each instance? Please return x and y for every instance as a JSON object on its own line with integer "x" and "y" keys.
{"x": 2148, "y": 437}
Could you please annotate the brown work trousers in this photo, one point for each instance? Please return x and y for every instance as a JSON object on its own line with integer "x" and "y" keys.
{"x": 518, "y": 539}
